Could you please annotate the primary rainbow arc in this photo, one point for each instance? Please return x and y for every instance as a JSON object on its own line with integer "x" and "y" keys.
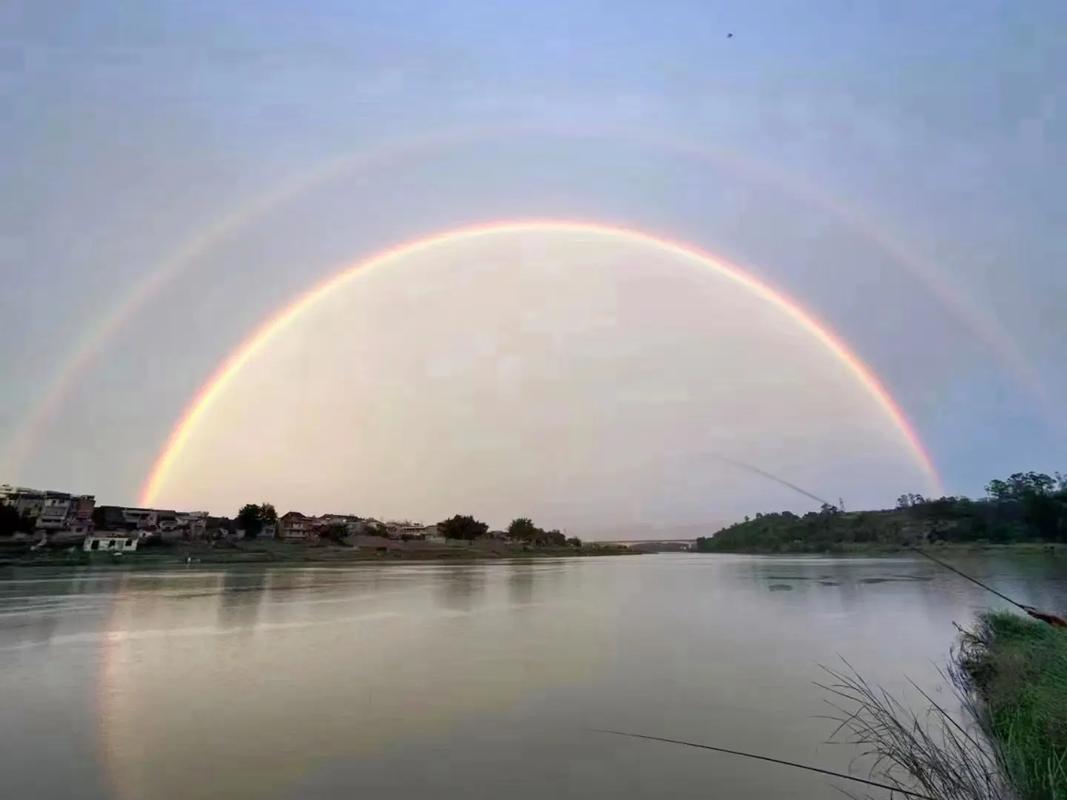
{"x": 278, "y": 322}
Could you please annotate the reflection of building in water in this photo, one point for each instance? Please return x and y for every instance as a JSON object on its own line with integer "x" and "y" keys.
{"x": 462, "y": 588}
{"x": 240, "y": 597}
{"x": 521, "y": 582}
{"x": 326, "y": 665}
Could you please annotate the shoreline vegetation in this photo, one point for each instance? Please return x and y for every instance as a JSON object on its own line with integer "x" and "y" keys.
{"x": 459, "y": 538}
{"x": 1017, "y": 670}
{"x": 265, "y": 552}
{"x": 1007, "y": 740}
{"x": 1026, "y": 511}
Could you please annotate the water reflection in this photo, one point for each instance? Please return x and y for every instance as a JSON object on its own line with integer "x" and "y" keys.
{"x": 461, "y": 588}
{"x": 521, "y": 578}
{"x": 239, "y": 601}
{"x": 464, "y": 679}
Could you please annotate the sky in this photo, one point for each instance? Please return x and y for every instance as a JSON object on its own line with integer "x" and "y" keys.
{"x": 175, "y": 174}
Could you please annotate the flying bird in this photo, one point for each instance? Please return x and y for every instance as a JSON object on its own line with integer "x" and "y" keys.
{"x": 729, "y": 36}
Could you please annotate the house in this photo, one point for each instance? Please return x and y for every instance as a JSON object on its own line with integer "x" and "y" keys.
{"x": 217, "y": 527}
{"x": 29, "y": 505}
{"x": 114, "y": 518}
{"x": 110, "y": 544}
{"x": 353, "y": 525}
{"x": 431, "y": 534}
{"x": 50, "y": 510}
{"x": 408, "y": 530}
{"x": 53, "y": 513}
{"x": 193, "y": 524}
{"x": 128, "y": 518}
{"x": 80, "y": 516}
{"x": 294, "y": 526}
{"x": 167, "y": 521}
{"x": 370, "y": 527}
{"x": 27, "y": 502}
{"x": 182, "y": 524}
{"x": 145, "y": 519}
{"x": 109, "y": 518}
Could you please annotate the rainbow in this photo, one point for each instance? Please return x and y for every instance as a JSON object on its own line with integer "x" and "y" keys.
{"x": 277, "y": 323}
{"x": 91, "y": 343}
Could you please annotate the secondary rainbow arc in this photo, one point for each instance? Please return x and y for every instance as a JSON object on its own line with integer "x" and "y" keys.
{"x": 29, "y": 433}
{"x": 277, "y": 323}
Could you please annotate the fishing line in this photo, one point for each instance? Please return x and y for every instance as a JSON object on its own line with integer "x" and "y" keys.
{"x": 779, "y": 761}
{"x": 975, "y": 581}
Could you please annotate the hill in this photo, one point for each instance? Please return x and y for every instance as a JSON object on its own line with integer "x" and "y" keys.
{"x": 1026, "y": 507}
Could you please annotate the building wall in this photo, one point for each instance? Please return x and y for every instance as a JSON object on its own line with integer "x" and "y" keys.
{"x": 29, "y": 505}
{"x": 111, "y": 544}
{"x": 53, "y": 513}
{"x": 81, "y": 512}
{"x": 296, "y": 526}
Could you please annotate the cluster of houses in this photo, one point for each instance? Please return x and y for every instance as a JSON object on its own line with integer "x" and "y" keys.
{"x": 47, "y": 511}
{"x": 50, "y": 516}
{"x": 294, "y": 526}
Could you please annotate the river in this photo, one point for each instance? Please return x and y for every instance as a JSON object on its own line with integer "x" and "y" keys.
{"x": 466, "y": 680}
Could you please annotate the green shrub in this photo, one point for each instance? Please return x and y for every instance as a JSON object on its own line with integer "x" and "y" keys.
{"x": 1018, "y": 667}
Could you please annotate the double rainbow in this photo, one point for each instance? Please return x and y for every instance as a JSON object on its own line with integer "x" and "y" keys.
{"x": 277, "y": 324}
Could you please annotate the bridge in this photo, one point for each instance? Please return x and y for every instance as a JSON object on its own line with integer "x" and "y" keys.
{"x": 653, "y": 545}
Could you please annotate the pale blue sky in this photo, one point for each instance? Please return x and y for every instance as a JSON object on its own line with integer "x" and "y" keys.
{"x": 127, "y": 127}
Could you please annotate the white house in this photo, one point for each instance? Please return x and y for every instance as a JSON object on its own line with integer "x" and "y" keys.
{"x": 111, "y": 544}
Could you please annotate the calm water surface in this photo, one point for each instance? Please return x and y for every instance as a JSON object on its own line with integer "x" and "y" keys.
{"x": 462, "y": 680}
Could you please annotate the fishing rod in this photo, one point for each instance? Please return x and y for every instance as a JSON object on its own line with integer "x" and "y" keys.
{"x": 779, "y": 761}
{"x": 975, "y": 581}
{"x": 733, "y": 462}
{"x": 1051, "y": 619}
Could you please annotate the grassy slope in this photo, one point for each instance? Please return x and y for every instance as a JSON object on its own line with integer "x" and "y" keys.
{"x": 1019, "y": 668}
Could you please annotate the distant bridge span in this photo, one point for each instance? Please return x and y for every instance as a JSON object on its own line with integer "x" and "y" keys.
{"x": 652, "y": 544}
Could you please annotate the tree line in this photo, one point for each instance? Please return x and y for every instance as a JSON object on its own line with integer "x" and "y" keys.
{"x": 253, "y": 518}
{"x": 1024, "y": 507}
{"x": 521, "y": 529}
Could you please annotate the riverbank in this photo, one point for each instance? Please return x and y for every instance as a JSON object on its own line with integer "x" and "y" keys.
{"x": 884, "y": 549}
{"x": 278, "y": 552}
{"x": 1018, "y": 668}
{"x": 1028, "y": 508}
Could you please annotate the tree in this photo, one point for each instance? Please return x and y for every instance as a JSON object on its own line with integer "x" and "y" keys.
{"x": 462, "y": 527}
{"x": 252, "y": 517}
{"x": 910, "y": 500}
{"x": 250, "y": 520}
{"x": 523, "y": 530}
{"x": 334, "y": 533}
{"x": 997, "y": 489}
{"x": 574, "y": 541}
{"x": 553, "y": 538}
{"x": 1020, "y": 485}
{"x": 10, "y": 521}
{"x": 1042, "y": 513}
